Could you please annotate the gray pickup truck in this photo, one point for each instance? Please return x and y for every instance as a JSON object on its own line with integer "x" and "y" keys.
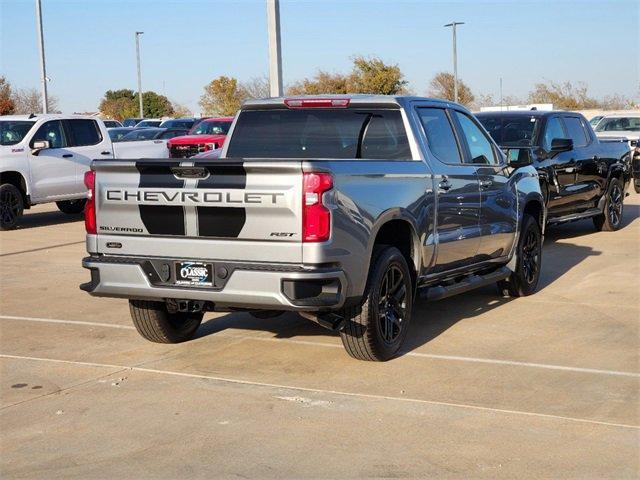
{"x": 341, "y": 208}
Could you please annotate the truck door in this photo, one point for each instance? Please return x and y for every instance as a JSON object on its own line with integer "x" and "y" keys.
{"x": 53, "y": 170}
{"x": 589, "y": 179}
{"x": 87, "y": 144}
{"x": 498, "y": 203}
{"x": 457, "y": 190}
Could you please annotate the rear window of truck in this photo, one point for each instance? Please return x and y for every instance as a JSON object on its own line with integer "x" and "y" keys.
{"x": 320, "y": 133}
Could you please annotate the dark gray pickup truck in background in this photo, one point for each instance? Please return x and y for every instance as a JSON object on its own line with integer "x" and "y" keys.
{"x": 342, "y": 208}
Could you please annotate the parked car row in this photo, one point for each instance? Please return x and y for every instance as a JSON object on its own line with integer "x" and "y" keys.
{"x": 344, "y": 209}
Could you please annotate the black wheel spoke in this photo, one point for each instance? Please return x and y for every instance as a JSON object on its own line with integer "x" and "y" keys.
{"x": 391, "y": 303}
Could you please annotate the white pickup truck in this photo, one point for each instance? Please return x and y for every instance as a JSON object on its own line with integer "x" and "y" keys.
{"x": 43, "y": 159}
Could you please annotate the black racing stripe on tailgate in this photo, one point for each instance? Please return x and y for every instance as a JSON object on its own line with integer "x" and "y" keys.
{"x": 225, "y": 222}
{"x": 161, "y": 219}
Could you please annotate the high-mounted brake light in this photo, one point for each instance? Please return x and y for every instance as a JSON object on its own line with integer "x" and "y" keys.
{"x": 316, "y": 218}
{"x": 317, "y": 102}
{"x": 90, "y": 207}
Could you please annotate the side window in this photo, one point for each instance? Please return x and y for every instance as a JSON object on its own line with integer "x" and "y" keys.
{"x": 480, "y": 147}
{"x": 576, "y": 131}
{"x": 51, "y": 132}
{"x": 552, "y": 130}
{"x": 84, "y": 132}
{"x": 440, "y": 137}
{"x": 385, "y": 138}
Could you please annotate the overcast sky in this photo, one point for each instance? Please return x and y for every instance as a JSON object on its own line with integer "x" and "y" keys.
{"x": 90, "y": 44}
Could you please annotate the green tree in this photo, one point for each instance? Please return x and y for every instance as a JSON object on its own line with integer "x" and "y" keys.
{"x": 222, "y": 96}
{"x": 7, "y": 105}
{"x": 123, "y": 103}
{"x": 155, "y": 105}
{"x": 374, "y": 76}
{"x": 442, "y": 86}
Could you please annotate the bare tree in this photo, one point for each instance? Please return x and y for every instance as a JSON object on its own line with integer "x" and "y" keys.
{"x": 28, "y": 100}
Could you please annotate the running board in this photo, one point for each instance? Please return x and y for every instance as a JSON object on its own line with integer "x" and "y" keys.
{"x": 575, "y": 216}
{"x": 468, "y": 283}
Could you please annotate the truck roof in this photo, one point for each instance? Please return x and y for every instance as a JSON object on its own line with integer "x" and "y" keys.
{"x": 355, "y": 100}
{"x": 48, "y": 116}
{"x": 526, "y": 113}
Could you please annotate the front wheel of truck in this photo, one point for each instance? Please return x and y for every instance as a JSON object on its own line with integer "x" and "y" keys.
{"x": 375, "y": 329}
{"x": 524, "y": 280}
{"x": 155, "y": 323}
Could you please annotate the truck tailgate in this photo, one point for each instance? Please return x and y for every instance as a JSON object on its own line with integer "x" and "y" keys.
{"x": 232, "y": 210}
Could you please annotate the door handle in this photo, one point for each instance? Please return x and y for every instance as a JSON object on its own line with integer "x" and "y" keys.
{"x": 67, "y": 155}
{"x": 105, "y": 153}
{"x": 486, "y": 183}
{"x": 444, "y": 185}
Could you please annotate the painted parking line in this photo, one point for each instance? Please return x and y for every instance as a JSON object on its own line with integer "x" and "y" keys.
{"x": 368, "y": 396}
{"x": 40, "y": 249}
{"x": 456, "y": 358}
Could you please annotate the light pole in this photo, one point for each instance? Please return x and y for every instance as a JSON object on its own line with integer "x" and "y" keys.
{"x": 139, "y": 74}
{"x": 455, "y": 59}
{"x": 43, "y": 69}
{"x": 275, "y": 53}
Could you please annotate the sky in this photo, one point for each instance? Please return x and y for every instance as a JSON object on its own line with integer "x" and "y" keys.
{"x": 90, "y": 46}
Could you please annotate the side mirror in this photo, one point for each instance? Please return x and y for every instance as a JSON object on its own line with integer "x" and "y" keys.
{"x": 518, "y": 157}
{"x": 561, "y": 145}
{"x": 39, "y": 145}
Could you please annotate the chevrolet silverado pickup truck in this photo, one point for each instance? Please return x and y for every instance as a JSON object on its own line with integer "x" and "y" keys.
{"x": 43, "y": 159}
{"x": 581, "y": 175}
{"x": 341, "y": 208}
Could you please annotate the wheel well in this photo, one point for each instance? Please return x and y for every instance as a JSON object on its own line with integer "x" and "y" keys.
{"x": 399, "y": 234}
{"x": 535, "y": 209}
{"x": 16, "y": 179}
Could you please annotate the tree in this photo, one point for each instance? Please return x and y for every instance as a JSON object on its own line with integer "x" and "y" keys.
{"x": 7, "y": 105}
{"x": 123, "y": 103}
{"x": 374, "y": 76}
{"x": 222, "y": 96}
{"x": 257, "y": 87}
{"x": 181, "y": 110}
{"x": 367, "y": 76}
{"x": 442, "y": 86}
{"x": 563, "y": 95}
{"x": 29, "y": 100}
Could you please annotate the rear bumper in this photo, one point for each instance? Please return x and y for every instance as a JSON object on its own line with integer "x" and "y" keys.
{"x": 251, "y": 286}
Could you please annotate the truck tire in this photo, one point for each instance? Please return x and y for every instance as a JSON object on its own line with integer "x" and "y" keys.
{"x": 156, "y": 324}
{"x": 524, "y": 280}
{"x": 72, "y": 207}
{"x": 375, "y": 329}
{"x": 11, "y": 206}
{"x": 611, "y": 218}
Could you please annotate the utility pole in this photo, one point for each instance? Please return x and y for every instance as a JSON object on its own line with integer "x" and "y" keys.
{"x": 455, "y": 59}
{"x": 275, "y": 52}
{"x": 139, "y": 74}
{"x": 43, "y": 69}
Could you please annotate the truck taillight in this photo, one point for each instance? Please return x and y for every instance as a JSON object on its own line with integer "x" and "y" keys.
{"x": 317, "y": 102}
{"x": 316, "y": 218}
{"x": 90, "y": 206}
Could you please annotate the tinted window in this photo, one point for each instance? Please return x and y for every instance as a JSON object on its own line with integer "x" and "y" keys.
{"x": 141, "y": 134}
{"x": 84, "y": 132}
{"x": 552, "y": 130}
{"x": 440, "y": 137}
{"x": 576, "y": 131}
{"x": 320, "y": 133}
{"x": 185, "y": 124}
{"x": 51, "y": 132}
{"x": 12, "y": 132}
{"x": 211, "y": 128}
{"x": 510, "y": 131}
{"x": 479, "y": 145}
{"x": 619, "y": 124}
{"x": 172, "y": 133}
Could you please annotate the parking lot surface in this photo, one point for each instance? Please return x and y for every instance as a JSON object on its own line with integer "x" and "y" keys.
{"x": 546, "y": 386}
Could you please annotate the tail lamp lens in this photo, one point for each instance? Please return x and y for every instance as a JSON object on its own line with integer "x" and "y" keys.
{"x": 316, "y": 218}
{"x": 90, "y": 207}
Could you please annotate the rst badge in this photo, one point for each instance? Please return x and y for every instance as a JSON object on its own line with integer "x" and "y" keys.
{"x": 194, "y": 274}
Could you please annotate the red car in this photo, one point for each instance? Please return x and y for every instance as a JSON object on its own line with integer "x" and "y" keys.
{"x": 206, "y": 135}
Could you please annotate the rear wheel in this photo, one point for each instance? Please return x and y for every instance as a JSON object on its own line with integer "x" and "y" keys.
{"x": 11, "y": 206}
{"x": 155, "y": 323}
{"x": 375, "y": 330}
{"x": 524, "y": 280}
{"x": 71, "y": 207}
{"x": 611, "y": 217}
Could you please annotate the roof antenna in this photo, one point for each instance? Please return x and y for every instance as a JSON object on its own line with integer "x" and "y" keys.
{"x": 32, "y": 115}
{"x": 534, "y": 108}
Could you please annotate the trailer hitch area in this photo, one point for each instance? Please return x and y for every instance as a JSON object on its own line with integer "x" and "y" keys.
{"x": 187, "y": 306}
